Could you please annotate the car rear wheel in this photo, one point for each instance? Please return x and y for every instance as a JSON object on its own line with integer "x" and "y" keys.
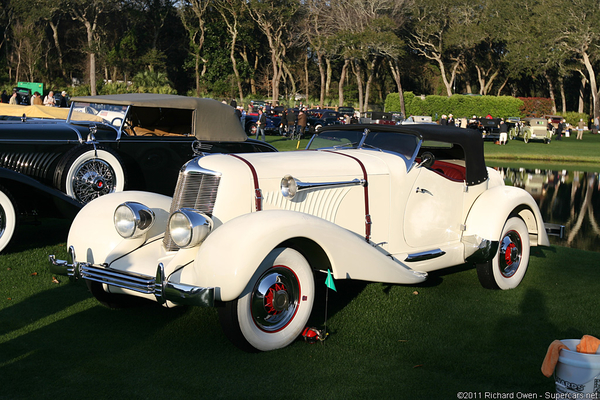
{"x": 507, "y": 269}
{"x": 86, "y": 173}
{"x": 8, "y": 218}
{"x": 274, "y": 307}
{"x": 526, "y": 138}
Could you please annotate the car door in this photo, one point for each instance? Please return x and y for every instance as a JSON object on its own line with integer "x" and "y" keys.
{"x": 433, "y": 213}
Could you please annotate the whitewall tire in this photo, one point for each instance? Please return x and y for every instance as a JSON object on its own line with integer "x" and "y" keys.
{"x": 275, "y": 306}
{"x": 8, "y": 218}
{"x": 86, "y": 173}
{"x": 508, "y": 267}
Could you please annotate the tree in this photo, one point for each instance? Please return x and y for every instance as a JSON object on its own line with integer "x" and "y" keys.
{"x": 274, "y": 18}
{"x": 193, "y": 16}
{"x": 231, "y": 12}
{"x": 438, "y": 33}
{"x": 88, "y": 12}
{"x": 581, "y": 39}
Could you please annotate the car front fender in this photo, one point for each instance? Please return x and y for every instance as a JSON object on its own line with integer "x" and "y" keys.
{"x": 490, "y": 211}
{"x": 93, "y": 234}
{"x": 230, "y": 255}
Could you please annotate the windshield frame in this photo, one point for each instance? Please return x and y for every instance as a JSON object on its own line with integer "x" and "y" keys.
{"x": 362, "y": 143}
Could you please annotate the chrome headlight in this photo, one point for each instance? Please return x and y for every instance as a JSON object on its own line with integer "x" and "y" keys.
{"x": 188, "y": 227}
{"x": 289, "y": 187}
{"x": 132, "y": 219}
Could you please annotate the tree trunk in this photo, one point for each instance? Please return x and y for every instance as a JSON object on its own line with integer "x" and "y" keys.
{"x": 54, "y": 28}
{"x": 369, "y": 82}
{"x": 329, "y": 73}
{"x": 306, "y": 76}
{"x": 561, "y": 84}
{"x": 341, "y": 83}
{"x": 581, "y": 93}
{"x": 395, "y": 68}
{"x": 323, "y": 79}
{"x": 551, "y": 90}
{"x": 358, "y": 73}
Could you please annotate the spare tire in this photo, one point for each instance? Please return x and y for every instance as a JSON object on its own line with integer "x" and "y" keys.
{"x": 87, "y": 172}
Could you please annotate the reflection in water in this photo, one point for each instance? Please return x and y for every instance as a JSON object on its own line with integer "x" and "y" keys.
{"x": 569, "y": 198}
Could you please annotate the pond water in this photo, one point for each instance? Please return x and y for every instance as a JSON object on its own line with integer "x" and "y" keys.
{"x": 566, "y": 197}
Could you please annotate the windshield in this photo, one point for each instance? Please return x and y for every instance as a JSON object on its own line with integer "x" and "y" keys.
{"x": 107, "y": 113}
{"x": 400, "y": 143}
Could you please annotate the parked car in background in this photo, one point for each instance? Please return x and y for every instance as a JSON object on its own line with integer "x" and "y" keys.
{"x": 319, "y": 118}
{"x": 535, "y": 129}
{"x": 382, "y": 118}
{"x": 247, "y": 234}
{"x": 489, "y": 128}
{"x": 418, "y": 119}
{"x": 108, "y": 144}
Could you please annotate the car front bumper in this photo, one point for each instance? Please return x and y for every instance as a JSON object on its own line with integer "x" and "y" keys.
{"x": 159, "y": 286}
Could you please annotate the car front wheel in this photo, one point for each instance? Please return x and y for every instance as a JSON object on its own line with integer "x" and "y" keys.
{"x": 274, "y": 307}
{"x": 8, "y": 218}
{"x": 507, "y": 269}
{"x": 86, "y": 173}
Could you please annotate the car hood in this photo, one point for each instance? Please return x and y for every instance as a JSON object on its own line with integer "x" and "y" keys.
{"x": 307, "y": 164}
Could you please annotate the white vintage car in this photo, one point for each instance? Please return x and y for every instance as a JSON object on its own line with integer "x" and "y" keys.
{"x": 247, "y": 233}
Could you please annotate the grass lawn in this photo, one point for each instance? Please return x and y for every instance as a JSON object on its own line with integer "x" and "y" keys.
{"x": 387, "y": 341}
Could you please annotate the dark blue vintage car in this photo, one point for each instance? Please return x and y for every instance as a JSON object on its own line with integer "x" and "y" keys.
{"x": 108, "y": 144}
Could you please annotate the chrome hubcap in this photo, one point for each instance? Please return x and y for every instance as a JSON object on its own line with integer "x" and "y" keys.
{"x": 510, "y": 253}
{"x": 93, "y": 179}
{"x": 275, "y": 299}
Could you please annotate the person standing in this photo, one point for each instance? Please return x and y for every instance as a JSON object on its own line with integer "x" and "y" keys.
{"x": 559, "y": 129}
{"x": 14, "y": 99}
{"x": 36, "y": 99}
{"x": 283, "y": 123}
{"x": 302, "y": 121}
{"x": 49, "y": 99}
{"x": 260, "y": 124}
{"x": 63, "y": 99}
{"x": 580, "y": 127}
{"x": 4, "y": 97}
{"x": 291, "y": 120}
{"x": 503, "y": 132}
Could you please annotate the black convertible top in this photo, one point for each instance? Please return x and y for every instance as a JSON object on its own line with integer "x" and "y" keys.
{"x": 464, "y": 143}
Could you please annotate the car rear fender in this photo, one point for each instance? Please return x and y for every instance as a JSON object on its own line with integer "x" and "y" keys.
{"x": 490, "y": 211}
{"x": 230, "y": 255}
{"x": 93, "y": 234}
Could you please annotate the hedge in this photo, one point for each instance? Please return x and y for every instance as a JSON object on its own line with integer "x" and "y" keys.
{"x": 457, "y": 105}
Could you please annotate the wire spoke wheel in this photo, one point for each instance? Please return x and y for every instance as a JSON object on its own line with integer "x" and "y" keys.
{"x": 93, "y": 179}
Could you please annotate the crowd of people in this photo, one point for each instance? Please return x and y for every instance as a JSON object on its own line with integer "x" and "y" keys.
{"x": 24, "y": 99}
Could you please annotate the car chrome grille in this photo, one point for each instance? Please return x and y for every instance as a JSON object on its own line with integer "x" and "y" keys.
{"x": 196, "y": 188}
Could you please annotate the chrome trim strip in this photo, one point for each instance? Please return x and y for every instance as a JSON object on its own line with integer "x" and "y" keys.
{"x": 425, "y": 255}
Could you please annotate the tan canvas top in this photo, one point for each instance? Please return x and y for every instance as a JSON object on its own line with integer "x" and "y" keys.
{"x": 37, "y": 111}
{"x": 213, "y": 120}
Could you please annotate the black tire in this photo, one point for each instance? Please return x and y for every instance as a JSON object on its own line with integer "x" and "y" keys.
{"x": 508, "y": 267}
{"x": 274, "y": 307}
{"x": 86, "y": 173}
{"x": 8, "y": 218}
